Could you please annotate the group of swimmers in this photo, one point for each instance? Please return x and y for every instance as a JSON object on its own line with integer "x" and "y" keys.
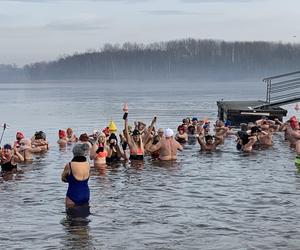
{"x": 133, "y": 144}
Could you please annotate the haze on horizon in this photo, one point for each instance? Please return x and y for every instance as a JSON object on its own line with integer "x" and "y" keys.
{"x": 42, "y": 30}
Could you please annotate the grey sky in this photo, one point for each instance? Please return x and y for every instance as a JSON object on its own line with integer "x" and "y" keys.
{"x": 37, "y": 30}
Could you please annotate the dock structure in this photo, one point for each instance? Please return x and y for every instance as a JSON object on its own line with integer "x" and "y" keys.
{"x": 281, "y": 90}
{"x": 238, "y": 112}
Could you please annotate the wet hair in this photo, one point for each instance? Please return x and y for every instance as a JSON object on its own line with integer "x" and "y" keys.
{"x": 113, "y": 136}
{"x": 180, "y": 127}
{"x": 84, "y": 137}
{"x": 208, "y": 137}
{"x": 7, "y": 146}
{"x": 255, "y": 129}
{"x": 40, "y": 135}
{"x": 136, "y": 132}
{"x": 206, "y": 125}
{"x": 244, "y": 126}
{"x": 245, "y": 138}
{"x": 155, "y": 139}
{"x": 191, "y": 128}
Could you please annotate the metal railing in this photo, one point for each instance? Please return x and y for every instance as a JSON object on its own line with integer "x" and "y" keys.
{"x": 282, "y": 89}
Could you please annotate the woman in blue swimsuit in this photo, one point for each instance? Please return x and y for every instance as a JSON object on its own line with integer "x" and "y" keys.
{"x": 77, "y": 173}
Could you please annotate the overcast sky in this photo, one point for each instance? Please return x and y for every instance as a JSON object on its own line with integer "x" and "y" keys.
{"x": 37, "y": 30}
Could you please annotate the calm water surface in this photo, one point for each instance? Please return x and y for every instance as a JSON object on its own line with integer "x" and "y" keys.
{"x": 224, "y": 200}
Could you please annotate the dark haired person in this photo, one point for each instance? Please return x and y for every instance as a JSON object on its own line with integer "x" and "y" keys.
{"x": 114, "y": 153}
{"x": 9, "y": 158}
{"x": 208, "y": 143}
{"x": 181, "y": 136}
{"x": 242, "y": 136}
{"x": 251, "y": 140}
{"x": 135, "y": 143}
{"x": 39, "y": 142}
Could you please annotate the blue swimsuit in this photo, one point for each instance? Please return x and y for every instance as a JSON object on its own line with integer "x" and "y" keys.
{"x": 78, "y": 191}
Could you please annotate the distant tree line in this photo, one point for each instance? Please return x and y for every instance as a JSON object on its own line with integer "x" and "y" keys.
{"x": 10, "y": 72}
{"x": 179, "y": 59}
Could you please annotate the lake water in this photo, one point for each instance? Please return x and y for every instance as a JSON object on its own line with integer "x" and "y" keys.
{"x": 224, "y": 200}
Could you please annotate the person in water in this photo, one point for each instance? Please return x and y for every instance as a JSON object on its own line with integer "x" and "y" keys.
{"x": 76, "y": 173}
{"x": 251, "y": 140}
{"x": 154, "y": 140}
{"x": 62, "y": 138}
{"x": 242, "y": 136}
{"x": 134, "y": 142}
{"x": 26, "y": 150}
{"x": 71, "y": 137}
{"x": 167, "y": 146}
{"x": 141, "y": 127}
{"x": 181, "y": 136}
{"x": 19, "y": 137}
{"x": 9, "y": 158}
{"x": 265, "y": 137}
{"x": 40, "y": 142}
{"x": 293, "y": 131}
{"x": 99, "y": 151}
{"x": 114, "y": 153}
{"x": 209, "y": 143}
{"x": 93, "y": 138}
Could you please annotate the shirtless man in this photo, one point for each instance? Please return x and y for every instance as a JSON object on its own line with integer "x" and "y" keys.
{"x": 26, "y": 149}
{"x": 167, "y": 146}
{"x": 266, "y": 136}
{"x": 208, "y": 142}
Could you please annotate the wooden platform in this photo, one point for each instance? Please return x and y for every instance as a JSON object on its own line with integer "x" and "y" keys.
{"x": 238, "y": 112}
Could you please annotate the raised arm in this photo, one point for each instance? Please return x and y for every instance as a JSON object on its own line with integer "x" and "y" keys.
{"x": 200, "y": 139}
{"x": 152, "y": 148}
{"x": 127, "y": 135}
{"x": 17, "y": 156}
{"x": 149, "y": 130}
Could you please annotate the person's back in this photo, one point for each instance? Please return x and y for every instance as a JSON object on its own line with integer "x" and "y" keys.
{"x": 76, "y": 173}
{"x": 78, "y": 190}
{"x": 168, "y": 147}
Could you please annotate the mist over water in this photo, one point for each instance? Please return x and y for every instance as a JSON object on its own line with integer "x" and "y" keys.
{"x": 224, "y": 200}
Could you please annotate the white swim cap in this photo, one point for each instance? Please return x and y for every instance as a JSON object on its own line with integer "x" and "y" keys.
{"x": 169, "y": 132}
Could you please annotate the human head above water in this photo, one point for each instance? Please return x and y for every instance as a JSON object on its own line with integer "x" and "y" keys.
{"x": 136, "y": 135}
{"x": 168, "y": 132}
{"x": 19, "y": 135}
{"x": 80, "y": 149}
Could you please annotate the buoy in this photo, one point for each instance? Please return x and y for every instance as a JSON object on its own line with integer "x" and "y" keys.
{"x": 112, "y": 127}
{"x": 297, "y": 108}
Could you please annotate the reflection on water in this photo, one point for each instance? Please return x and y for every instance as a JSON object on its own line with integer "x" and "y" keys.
{"x": 221, "y": 200}
{"x": 77, "y": 230}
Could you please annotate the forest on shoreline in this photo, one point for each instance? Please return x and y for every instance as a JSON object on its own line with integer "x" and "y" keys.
{"x": 178, "y": 59}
